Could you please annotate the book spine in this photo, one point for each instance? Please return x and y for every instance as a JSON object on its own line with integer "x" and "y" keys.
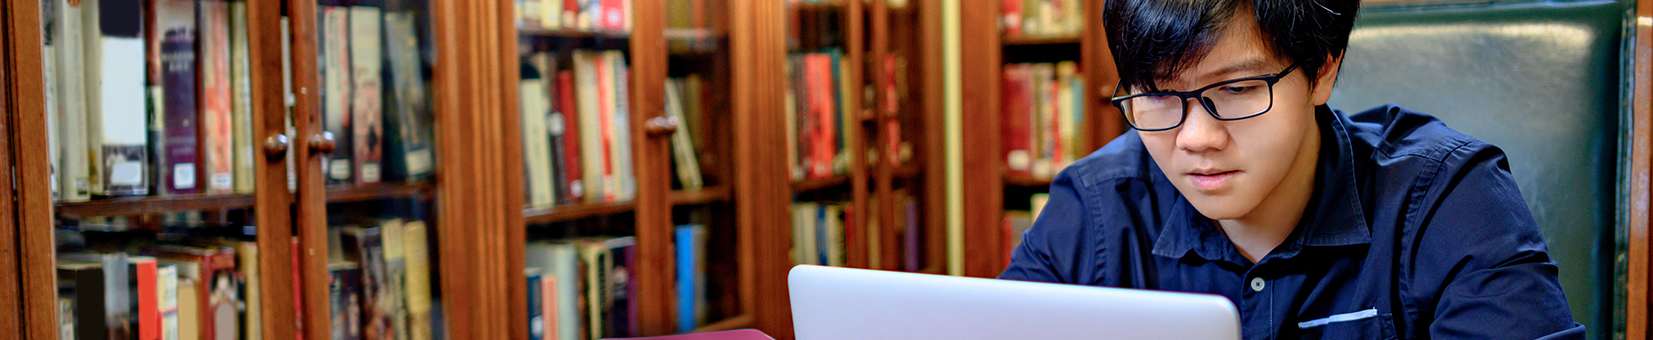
{"x": 536, "y": 315}
{"x": 535, "y": 148}
{"x": 411, "y": 135}
{"x": 167, "y": 283}
{"x": 147, "y": 294}
{"x": 49, "y": 83}
{"x": 116, "y": 82}
{"x": 335, "y": 33}
{"x": 606, "y": 128}
{"x": 242, "y": 114}
{"x": 71, "y": 129}
{"x": 590, "y": 129}
{"x": 179, "y": 90}
{"x": 416, "y": 249}
{"x": 216, "y": 141}
{"x": 621, "y": 85}
{"x": 365, "y": 54}
{"x": 571, "y": 137}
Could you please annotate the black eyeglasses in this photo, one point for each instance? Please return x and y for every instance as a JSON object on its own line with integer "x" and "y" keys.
{"x": 1228, "y": 100}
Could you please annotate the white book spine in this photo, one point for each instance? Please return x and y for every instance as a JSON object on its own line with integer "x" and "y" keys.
{"x": 619, "y": 84}
{"x": 115, "y": 94}
{"x": 366, "y": 101}
{"x": 535, "y": 144}
{"x": 591, "y": 147}
{"x": 71, "y": 128}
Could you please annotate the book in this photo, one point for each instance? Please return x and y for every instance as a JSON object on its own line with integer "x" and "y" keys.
{"x": 560, "y": 260}
{"x": 572, "y": 171}
{"x": 71, "y": 128}
{"x": 548, "y": 306}
{"x": 527, "y": 13}
{"x": 114, "y": 89}
{"x": 395, "y": 277}
{"x": 83, "y": 280}
{"x": 685, "y": 161}
{"x": 247, "y": 260}
{"x": 65, "y": 318}
{"x": 620, "y": 313}
{"x": 594, "y": 259}
{"x": 618, "y": 85}
{"x": 1016, "y": 223}
{"x": 536, "y": 312}
{"x": 175, "y": 40}
{"x": 591, "y": 129}
{"x": 690, "y": 242}
{"x": 212, "y": 310}
{"x": 1042, "y": 118}
{"x": 336, "y": 83}
{"x": 217, "y": 128}
{"x": 416, "y": 249}
{"x": 146, "y": 294}
{"x": 365, "y": 246}
{"x": 536, "y": 139}
{"x": 365, "y": 103}
{"x": 241, "y": 116}
{"x": 167, "y": 282}
{"x": 410, "y": 142}
{"x": 344, "y": 299}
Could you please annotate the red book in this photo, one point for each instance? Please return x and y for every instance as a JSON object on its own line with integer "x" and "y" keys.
{"x": 1015, "y": 106}
{"x": 149, "y": 308}
{"x": 614, "y": 15}
{"x": 605, "y": 116}
{"x": 571, "y": 135}
{"x": 1053, "y": 133}
{"x": 1012, "y": 21}
{"x": 818, "y": 72}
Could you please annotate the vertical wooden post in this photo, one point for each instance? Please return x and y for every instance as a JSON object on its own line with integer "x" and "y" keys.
{"x": 653, "y": 169}
{"x": 272, "y": 200}
{"x": 983, "y": 181}
{"x": 762, "y": 182}
{"x": 25, "y": 222}
{"x": 311, "y": 210}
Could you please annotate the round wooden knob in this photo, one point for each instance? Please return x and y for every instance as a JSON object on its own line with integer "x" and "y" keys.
{"x": 322, "y": 143}
{"x": 661, "y": 126}
{"x": 275, "y": 146}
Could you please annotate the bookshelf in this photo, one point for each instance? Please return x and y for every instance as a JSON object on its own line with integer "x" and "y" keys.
{"x": 994, "y": 183}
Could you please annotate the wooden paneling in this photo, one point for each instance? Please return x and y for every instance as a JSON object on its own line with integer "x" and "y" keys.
{"x": 1105, "y": 121}
{"x": 935, "y": 161}
{"x": 983, "y": 203}
{"x": 855, "y": 228}
{"x": 758, "y": 43}
{"x": 1641, "y": 158}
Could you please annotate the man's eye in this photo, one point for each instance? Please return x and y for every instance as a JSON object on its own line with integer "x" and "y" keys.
{"x": 1238, "y": 89}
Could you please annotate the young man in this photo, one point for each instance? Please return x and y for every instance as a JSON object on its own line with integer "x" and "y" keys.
{"x": 1238, "y": 180}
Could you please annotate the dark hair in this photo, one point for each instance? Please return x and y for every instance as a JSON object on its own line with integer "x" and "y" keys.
{"x": 1154, "y": 40}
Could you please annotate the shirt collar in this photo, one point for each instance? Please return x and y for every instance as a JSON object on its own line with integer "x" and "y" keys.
{"x": 1334, "y": 216}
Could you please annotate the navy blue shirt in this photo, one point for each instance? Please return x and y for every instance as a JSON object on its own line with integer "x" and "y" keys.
{"x": 1414, "y": 230}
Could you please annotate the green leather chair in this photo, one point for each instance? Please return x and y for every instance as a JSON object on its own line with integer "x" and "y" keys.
{"x": 1544, "y": 81}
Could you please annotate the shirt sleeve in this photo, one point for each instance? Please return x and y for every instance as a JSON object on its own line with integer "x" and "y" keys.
{"x": 1481, "y": 251}
{"x": 1051, "y": 250}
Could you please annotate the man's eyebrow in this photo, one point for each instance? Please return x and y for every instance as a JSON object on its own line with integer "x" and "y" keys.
{"x": 1248, "y": 64}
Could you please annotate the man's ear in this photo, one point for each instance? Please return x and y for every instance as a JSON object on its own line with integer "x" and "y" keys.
{"x": 1326, "y": 79}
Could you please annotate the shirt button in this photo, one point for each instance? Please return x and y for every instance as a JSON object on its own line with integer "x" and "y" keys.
{"x": 1257, "y": 284}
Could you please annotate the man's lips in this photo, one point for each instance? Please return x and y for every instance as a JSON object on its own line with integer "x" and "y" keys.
{"x": 1211, "y": 180}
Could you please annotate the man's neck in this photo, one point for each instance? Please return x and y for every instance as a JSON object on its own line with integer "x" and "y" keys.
{"x": 1267, "y": 226}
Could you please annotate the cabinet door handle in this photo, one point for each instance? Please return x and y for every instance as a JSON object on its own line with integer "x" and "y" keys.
{"x": 661, "y": 126}
{"x": 275, "y": 146}
{"x": 322, "y": 143}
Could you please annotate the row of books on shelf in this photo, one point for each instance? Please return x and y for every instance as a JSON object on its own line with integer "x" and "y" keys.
{"x": 136, "y": 109}
{"x": 1017, "y": 222}
{"x": 1042, "y": 18}
{"x": 818, "y": 234}
{"x": 576, "y": 126}
{"x": 374, "y": 99}
{"x": 819, "y": 114}
{"x": 575, "y": 15}
{"x": 179, "y": 119}
{"x": 380, "y": 282}
{"x": 199, "y": 289}
{"x": 1043, "y": 118}
{"x": 583, "y": 288}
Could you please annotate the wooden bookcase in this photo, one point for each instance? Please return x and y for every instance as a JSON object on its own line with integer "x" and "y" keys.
{"x": 985, "y": 175}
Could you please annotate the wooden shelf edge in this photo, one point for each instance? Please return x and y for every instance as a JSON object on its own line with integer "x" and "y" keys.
{"x": 376, "y": 191}
{"x": 737, "y": 322}
{"x": 817, "y": 6}
{"x": 808, "y": 185}
{"x": 540, "y": 32}
{"x": 702, "y": 196}
{"x": 1022, "y": 40}
{"x": 143, "y": 205}
{"x": 576, "y": 211}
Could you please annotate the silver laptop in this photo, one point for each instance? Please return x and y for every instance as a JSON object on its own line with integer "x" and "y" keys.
{"x": 840, "y": 303}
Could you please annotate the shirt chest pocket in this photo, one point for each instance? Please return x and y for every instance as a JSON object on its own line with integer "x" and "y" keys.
{"x": 1364, "y": 324}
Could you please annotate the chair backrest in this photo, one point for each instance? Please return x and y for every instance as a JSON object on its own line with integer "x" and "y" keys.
{"x": 1540, "y": 80}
